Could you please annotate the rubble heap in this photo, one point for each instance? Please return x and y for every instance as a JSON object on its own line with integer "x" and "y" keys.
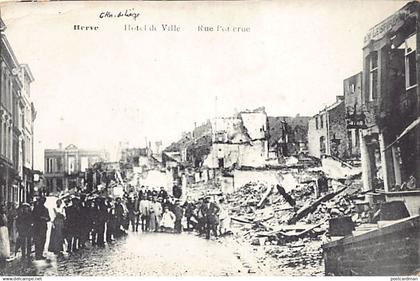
{"x": 291, "y": 231}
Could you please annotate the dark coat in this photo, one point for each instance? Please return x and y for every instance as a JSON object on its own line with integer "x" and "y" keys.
{"x": 163, "y": 194}
{"x": 210, "y": 211}
{"x": 178, "y": 211}
{"x": 40, "y": 216}
{"x": 73, "y": 217}
{"x": 189, "y": 209}
{"x": 24, "y": 224}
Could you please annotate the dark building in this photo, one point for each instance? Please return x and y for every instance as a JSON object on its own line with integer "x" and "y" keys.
{"x": 390, "y": 144}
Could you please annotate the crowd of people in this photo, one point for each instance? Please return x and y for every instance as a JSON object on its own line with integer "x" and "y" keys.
{"x": 82, "y": 219}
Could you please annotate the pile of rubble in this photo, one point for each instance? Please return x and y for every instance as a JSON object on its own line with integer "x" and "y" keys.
{"x": 303, "y": 255}
{"x": 290, "y": 225}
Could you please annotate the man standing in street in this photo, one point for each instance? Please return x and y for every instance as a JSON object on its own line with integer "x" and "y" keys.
{"x": 119, "y": 215}
{"x": 40, "y": 217}
{"x": 145, "y": 213}
{"x": 210, "y": 211}
{"x": 158, "y": 210}
{"x": 189, "y": 211}
{"x": 178, "y": 211}
{"x": 73, "y": 225}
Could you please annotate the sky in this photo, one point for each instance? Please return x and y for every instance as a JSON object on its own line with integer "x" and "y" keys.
{"x": 96, "y": 88}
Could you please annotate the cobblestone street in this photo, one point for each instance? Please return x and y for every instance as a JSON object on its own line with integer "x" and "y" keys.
{"x": 140, "y": 254}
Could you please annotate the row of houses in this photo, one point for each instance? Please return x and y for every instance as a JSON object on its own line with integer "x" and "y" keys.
{"x": 376, "y": 120}
{"x": 383, "y": 114}
{"x": 17, "y": 116}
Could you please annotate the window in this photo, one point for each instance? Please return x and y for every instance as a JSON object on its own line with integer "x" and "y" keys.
{"x": 350, "y": 141}
{"x": 59, "y": 166}
{"x": 322, "y": 146}
{"x": 72, "y": 162}
{"x": 410, "y": 62}
{"x": 316, "y": 123}
{"x": 321, "y": 121}
{"x": 221, "y": 163}
{"x": 373, "y": 76}
{"x": 357, "y": 137}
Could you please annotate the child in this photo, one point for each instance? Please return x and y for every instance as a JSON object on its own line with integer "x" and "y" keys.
{"x": 168, "y": 220}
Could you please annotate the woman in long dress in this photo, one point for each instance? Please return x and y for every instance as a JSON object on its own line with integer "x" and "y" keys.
{"x": 4, "y": 235}
{"x": 57, "y": 230}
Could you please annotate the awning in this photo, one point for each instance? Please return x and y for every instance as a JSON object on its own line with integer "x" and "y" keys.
{"x": 408, "y": 129}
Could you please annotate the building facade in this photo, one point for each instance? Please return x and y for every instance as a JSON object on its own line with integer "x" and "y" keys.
{"x": 355, "y": 113}
{"x": 327, "y": 131}
{"x": 390, "y": 145}
{"x": 17, "y": 116}
{"x": 65, "y": 168}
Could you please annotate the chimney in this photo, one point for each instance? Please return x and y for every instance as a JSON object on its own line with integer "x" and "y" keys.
{"x": 60, "y": 145}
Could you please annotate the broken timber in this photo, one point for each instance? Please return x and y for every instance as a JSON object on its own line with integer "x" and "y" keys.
{"x": 265, "y": 196}
{"x": 309, "y": 209}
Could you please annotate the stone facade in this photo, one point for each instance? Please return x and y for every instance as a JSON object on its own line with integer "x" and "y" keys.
{"x": 65, "y": 168}
{"x": 327, "y": 131}
{"x": 17, "y": 115}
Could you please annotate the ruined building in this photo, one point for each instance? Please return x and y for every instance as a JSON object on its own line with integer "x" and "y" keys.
{"x": 287, "y": 136}
{"x": 239, "y": 141}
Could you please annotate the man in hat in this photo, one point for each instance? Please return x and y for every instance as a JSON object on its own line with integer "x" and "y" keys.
{"x": 157, "y": 210}
{"x": 199, "y": 217}
{"x": 73, "y": 225}
{"x": 178, "y": 211}
{"x": 24, "y": 225}
{"x": 189, "y": 210}
{"x": 210, "y": 211}
{"x": 85, "y": 223}
{"x": 145, "y": 207}
{"x": 41, "y": 217}
{"x": 119, "y": 215}
{"x": 163, "y": 194}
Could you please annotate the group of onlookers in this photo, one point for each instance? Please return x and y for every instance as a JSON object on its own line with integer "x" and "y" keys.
{"x": 77, "y": 220}
{"x": 30, "y": 225}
